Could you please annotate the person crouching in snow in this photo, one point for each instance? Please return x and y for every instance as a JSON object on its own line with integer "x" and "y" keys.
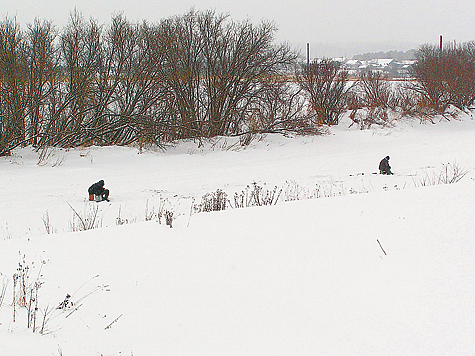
{"x": 97, "y": 192}
{"x": 384, "y": 167}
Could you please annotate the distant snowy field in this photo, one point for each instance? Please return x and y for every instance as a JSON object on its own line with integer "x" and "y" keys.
{"x": 306, "y": 277}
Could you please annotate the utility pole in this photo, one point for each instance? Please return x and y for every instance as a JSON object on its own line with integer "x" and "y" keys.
{"x": 440, "y": 43}
{"x": 308, "y": 54}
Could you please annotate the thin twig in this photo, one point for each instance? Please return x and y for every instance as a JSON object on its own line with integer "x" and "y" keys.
{"x": 4, "y": 289}
{"x": 75, "y": 309}
{"x": 381, "y": 246}
{"x": 114, "y": 321}
{"x": 79, "y": 216}
{"x": 77, "y": 290}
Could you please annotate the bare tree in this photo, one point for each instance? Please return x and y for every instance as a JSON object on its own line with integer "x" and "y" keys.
{"x": 445, "y": 77}
{"x": 375, "y": 90}
{"x": 325, "y": 84}
{"x": 80, "y": 45}
{"x": 460, "y": 74}
{"x": 43, "y": 75}
{"x": 183, "y": 70}
{"x": 13, "y": 86}
{"x": 281, "y": 109}
{"x": 241, "y": 61}
{"x": 139, "y": 83}
{"x": 374, "y": 93}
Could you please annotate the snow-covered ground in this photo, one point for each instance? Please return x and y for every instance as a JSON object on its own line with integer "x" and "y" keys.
{"x": 377, "y": 265}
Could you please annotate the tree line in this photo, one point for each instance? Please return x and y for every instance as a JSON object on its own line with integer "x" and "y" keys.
{"x": 192, "y": 76}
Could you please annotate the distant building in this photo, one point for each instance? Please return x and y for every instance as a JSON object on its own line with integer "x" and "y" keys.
{"x": 389, "y": 66}
{"x": 393, "y": 68}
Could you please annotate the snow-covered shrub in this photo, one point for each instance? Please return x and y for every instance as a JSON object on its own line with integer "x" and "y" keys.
{"x": 150, "y": 214}
{"x": 25, "y": 292}
{"x": 47, "y": 223}
{"x": 87, "y": 220}
{"x": 119, "y": 220}
{"x": 169, "y": 218}
{"x": 25, "y": 307}
{"x": 256, "y": 195}
{"x": 449, "y": 173}
{"x": 214, "y": 201}
{"x": 156, "y": 214}
{"x": 294, "y": 191}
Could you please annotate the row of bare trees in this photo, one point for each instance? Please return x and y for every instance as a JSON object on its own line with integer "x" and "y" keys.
{"x": 441, "y": 77}
{"x": 193, "y": 76}
{"x": 190, "y": 76}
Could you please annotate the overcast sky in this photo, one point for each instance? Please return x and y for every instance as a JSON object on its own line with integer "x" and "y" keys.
{"x": 332, "y": 27}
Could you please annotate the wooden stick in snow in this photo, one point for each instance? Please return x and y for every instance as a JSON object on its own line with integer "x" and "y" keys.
{"x": 381, "y": 247}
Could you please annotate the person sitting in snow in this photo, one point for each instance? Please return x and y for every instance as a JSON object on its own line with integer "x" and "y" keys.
{"x": 97, "y": 192}
{"x": 384, "y": 167}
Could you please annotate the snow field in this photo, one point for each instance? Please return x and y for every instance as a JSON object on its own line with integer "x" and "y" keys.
{"x": 304, "y": 277}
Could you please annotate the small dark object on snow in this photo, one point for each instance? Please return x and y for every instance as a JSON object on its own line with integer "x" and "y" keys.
{"x": 97, "y": 192}
{"x": 66, "y": 303}
{"x": 384, "y": 167}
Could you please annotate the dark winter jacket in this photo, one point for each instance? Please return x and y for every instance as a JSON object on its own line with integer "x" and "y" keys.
{"x": 384, "y": 167}
{"x": 97, "y": 188}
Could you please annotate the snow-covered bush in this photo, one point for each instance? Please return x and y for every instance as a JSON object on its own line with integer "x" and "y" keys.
{"x": 169, "y": 218}
{"x": 26, "y": 309}
{"x": 120, "y": 220}
{"x": 294, "y": 191}
{"x": 151, "y": 214}
{"x": 449, "y": 173}
{"x": 25, "y": 293}
{"x": 47, "y": 223}
{"x": 256, "y": 195}
{"x": 214, "y": 201}
{"x": 86, "y": 220}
